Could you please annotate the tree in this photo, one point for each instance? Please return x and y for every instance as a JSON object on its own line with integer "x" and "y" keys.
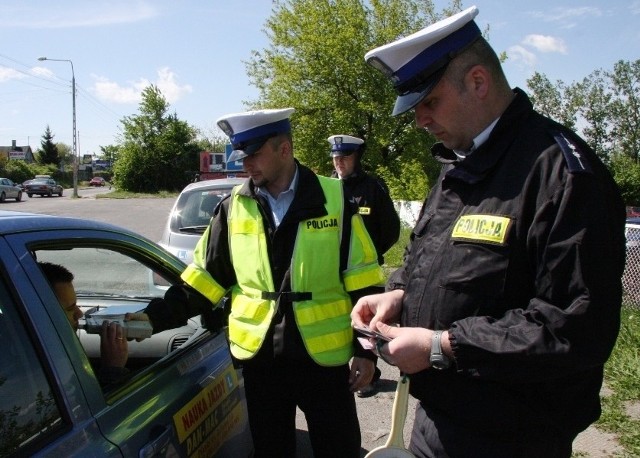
{"x": 553, "y": 101}
{"x": 48, "y": 153}
{"x": 158, "y": 149}
{"x": 110, "y": 153}
{"x": 605, "y": 106}
{"x": 626, "y": 172}
{"x": 315, "y": 63}
{"x": 625, "y": 108}
{"x": 594, "y": 100}
{"x": 211, "y": 141}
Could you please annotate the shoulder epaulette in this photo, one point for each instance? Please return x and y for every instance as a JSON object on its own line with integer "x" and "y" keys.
{"x": 576, "y": 161}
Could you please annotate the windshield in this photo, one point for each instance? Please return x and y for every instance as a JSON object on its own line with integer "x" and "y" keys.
{"x": 195, "y": 209}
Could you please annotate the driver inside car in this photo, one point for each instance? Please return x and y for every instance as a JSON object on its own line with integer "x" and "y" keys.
{"x": 114, "y": 350}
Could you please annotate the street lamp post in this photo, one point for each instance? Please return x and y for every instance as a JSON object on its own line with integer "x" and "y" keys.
{"x": 73, "y": 97}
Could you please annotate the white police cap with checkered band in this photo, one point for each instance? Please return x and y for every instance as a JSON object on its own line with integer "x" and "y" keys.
{"x": 249, "y": 130}
{"x": 344, "y": 145}
{"x": 416, "y": 63}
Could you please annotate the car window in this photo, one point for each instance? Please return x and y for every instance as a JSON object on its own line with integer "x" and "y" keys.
{"x": 109, "y": 284}
{"x": 28, "y": 408}
{"x": 196, "y": 208}
{"x": 105, "y": 272}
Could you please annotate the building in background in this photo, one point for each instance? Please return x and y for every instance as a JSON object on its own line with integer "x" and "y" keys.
{"x": 15, "y": 152}
{"x": 217, "y": 165}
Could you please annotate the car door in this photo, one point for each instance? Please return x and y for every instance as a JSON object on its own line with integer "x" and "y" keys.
{"x": 187, "y": 403}
{"x": 44, "y": 410}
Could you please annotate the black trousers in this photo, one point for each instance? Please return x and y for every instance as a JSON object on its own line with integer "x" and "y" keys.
{"x": 321, "y": 393}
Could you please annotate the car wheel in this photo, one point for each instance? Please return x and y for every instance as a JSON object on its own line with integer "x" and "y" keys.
{"x": 3, "y": 196}
{"x": 19, "y": 196}
{"x": 50, "y": 193}
{"x": 60, "y": 193}
{"x": 30, "y": 195}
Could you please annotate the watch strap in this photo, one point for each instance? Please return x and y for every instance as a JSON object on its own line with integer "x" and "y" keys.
{"x": 437, "y": 358}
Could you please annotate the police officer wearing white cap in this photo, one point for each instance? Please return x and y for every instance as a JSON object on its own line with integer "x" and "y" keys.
{"x": 370, "y": 193}
{"x": 374, "y": 204}
{"x": 293, "y": 253}
{"x": 510, "y": 291}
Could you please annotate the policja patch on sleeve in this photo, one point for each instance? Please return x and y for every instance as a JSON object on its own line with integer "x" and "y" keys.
{"x": 576, "y": 161}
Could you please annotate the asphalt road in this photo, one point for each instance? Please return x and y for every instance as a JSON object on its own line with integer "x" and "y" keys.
{"x": 147, "y": 217}
{"x": 144, "y": 216}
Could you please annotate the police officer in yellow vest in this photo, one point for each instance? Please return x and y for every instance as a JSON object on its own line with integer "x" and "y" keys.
{"x": 294, "y": 255}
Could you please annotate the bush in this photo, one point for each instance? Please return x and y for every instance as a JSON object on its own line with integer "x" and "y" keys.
{"x": 20, "y": 171}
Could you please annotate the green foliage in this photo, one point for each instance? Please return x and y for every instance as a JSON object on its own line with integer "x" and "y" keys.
{"x": 120, "y": 194}
{"x": 393, "y": 257}
{"x": 158, "y": 149}
{"x": 19, "y": 171}
{"x": 625, "y": 108}
{"x": 48, "y": 153}
{"x": 593, "y": 99}
{"x": 552, "y": 101}
{"x": 622, "y": 377}
{"x": 411, "y": 184}
{"x": 315, "y": 63}
{"x": 605, "y": 105}
{"x": 626, "y": 173}
{"x": 110, "y": 153}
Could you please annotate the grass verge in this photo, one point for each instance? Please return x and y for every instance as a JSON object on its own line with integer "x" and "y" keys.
{"x": 622, "y": 377}
{"x": 115, "y": 194}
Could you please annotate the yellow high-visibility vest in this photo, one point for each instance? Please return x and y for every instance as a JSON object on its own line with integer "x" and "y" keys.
{"x": 321, "y": 304}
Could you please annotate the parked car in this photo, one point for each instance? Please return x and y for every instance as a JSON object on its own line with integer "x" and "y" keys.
{"x": 191, "y": 214}
{"x": 9, "y": 190}
{"x": 97, "y": 181}
{"x": 179, "y": 399}
{"x": 43, "y": 187}
{"x": 24, "y": 184}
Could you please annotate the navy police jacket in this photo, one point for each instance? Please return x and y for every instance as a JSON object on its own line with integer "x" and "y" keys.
{"x": 376, "y": 208}
{"x": 518, "y": 252}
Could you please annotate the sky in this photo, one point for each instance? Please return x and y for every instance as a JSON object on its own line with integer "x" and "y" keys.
{"x": 195, "y": 52}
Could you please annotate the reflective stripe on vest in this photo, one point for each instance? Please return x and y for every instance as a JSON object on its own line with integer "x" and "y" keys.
{"x": 324, "y": 320}
{"x": 363, "y": 269}
{"x": 197, "y": 276}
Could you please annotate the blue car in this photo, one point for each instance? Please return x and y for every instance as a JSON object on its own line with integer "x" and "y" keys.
{"x": 181, "y": 395}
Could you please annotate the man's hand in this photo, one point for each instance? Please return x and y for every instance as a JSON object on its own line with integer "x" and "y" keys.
{"x": 114, "y": 349}
{"x": 409, "y": 348}
{"x": 361, "y": 373}
{"x": 385, "y": 308}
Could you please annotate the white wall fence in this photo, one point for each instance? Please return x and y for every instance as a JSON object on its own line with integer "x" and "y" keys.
{"x": 408, "y": 211}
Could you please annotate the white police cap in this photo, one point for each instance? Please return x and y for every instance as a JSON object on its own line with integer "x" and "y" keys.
{"x": 416, "y": 63}
{"x": 344, "y": 145}
{"x": 249, "y": 130}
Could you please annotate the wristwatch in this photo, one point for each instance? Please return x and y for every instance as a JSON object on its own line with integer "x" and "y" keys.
{"x": 438, "y": 359}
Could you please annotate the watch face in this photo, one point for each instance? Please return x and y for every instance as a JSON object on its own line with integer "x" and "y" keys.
{"x": 440, "y": 362}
